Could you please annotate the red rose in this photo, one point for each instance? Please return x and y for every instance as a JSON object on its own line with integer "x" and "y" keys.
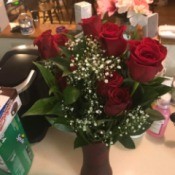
{"x": 145, "y": 59}
{"x": 112, "y": 39}
{"x": 118, "y": 100}
{"x": 60, "y": 39}
{"x": 48, "y": 44}
{"x": 92, "y": 26}
{"x": 113, "y": 82}
{"x": 62, "y": 83}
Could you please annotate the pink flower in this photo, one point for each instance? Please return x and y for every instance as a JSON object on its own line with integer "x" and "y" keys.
{"x": 135, "y": 9}
{"x": 106, "y": 6}
{"x": 141, "y": 6}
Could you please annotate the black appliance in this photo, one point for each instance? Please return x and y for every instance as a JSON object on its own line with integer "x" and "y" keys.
{"x": 17, "y": 70}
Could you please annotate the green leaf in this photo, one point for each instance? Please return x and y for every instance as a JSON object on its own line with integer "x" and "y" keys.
{"x": 66, "y": 52}
{"x": 46, "y": 106}
{"x": 62, "y": 127}
{"x": 56, "y": 119}
{"x": 70, "y": 95}
{"x": 149, "y": 93}
{"x": 127, "y": 142}
{"x": 136, "y": 85}
{"x": 54, "y": 90}
{"x": 154, "y": 114}
{"x": 156, "y": 81}
{"x": 63, "y": 65}
{"x": 163, "y": 89}
{"x": 128, "y": 82}
{"x": 144, "y": 96}
{"x": 47, "y": 75}
{"x": 49, "y": 79}
{"x": 59, "y": 125}
{"x": 80, "y": 141}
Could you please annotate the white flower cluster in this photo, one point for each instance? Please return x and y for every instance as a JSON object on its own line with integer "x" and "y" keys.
{"x": 93, "y": 129}
{"x": 90, "y": 123}
{"x": 91, "y": 60}
{"x": 135, "y": 121}
{"x": 83, "y": 124}
{"x": 49, "y": 64}
{"x": 91, "y": 65}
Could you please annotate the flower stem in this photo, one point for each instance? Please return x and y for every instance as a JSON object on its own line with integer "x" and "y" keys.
{"x": 136, "y": 84}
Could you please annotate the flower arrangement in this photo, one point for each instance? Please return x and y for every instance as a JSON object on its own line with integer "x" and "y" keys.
{"x": 135, "y": 10}
{"x": 101, "y": 86}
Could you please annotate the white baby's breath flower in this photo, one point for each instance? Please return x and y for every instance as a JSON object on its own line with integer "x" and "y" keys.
{"x": 106, "y": 81}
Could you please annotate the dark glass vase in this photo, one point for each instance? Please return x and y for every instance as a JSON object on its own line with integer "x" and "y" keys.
{"x": 96, "y": 160}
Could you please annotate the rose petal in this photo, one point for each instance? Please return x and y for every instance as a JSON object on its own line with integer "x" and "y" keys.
{"x": 142, "y": 73}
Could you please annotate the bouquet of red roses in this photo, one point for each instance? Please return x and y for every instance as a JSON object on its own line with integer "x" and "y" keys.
{"x": 101, "y": 85}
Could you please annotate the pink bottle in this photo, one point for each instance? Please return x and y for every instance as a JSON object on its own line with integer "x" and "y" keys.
{"x": 157, "y": 129}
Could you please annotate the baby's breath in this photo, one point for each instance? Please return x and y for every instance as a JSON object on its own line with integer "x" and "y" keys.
{"x": 91, "y": 60}
{"x": 87, "y": 115}
{"x": 134, "y": 121}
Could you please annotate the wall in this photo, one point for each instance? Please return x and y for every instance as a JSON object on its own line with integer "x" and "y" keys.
{"x": 4, "y": 21}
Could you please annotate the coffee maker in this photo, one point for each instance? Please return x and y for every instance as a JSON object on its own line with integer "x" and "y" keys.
{"x": 18, "y": 71}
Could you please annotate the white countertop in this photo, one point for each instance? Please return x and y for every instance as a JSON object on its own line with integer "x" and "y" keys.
{"x": 55, "y": 155}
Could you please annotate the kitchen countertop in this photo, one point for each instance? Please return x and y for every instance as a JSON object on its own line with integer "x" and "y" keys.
{"x": 55, "y": 155}
{"x": 6, "y": 33}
